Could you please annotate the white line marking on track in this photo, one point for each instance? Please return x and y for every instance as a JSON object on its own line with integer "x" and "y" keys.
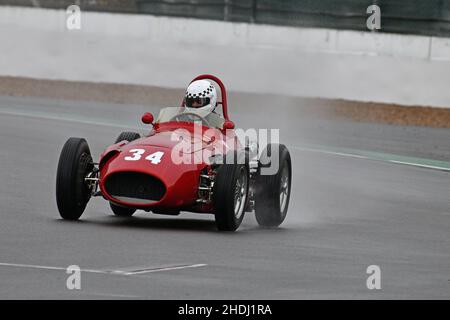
{"x": 151, "y": 270}
{"x": 108, "y": 294}
{"x": 350, "y": 155}
{"x": 116, "y": 272}
{"x": 33, "y": 266}
{"x": 331, "y": 152}
{"x": 419, "y": 165}
{"x": 59, "y": 118}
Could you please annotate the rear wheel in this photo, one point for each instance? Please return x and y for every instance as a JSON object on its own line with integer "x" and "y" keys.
{"x": 230, "y": 196}
{"x": 118, "y": 210}
{"x": 272, "y": 197}
{"x": 72, "y": 193}
{"x": 128, "y": 136}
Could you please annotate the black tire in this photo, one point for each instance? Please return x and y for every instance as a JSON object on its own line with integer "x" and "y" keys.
{"x": 225, "y": 185}
{"x": 118, "y": 210}
{"x": 268, "y": 206}
{"x": 122, "y": 211}
{"x": 128, "y": 136}
{"x": 72, "y": 193}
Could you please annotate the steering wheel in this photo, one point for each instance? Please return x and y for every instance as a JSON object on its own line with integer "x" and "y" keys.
{"x": 190, "y": 117}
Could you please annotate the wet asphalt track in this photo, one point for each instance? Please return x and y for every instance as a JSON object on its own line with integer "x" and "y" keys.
{"x": 345, "y": 214}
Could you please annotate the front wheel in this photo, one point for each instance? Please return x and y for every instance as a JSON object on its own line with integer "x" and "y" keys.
{"x": 274, "y": 191}
{"x": 72, "y": 192}
{"x": 230, "y": 196}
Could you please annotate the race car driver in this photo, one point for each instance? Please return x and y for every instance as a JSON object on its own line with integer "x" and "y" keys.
{"x": 201, "y": 99}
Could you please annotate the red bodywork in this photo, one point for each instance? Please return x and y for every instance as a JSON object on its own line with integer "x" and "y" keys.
{"x": 181, "y": 181}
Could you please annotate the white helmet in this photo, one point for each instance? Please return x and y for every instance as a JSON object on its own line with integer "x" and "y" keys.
{"x": 201, "y": 98}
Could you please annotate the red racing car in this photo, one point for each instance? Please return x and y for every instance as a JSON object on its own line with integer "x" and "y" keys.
{"x": 189, "y": 161}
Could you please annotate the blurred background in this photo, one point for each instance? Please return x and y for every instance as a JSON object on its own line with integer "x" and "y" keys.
{"x": 430, "y": 17}
{"x": 295, "y": 48}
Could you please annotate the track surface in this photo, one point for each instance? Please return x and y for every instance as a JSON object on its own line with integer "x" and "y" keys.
{"x": 345, "y": 215}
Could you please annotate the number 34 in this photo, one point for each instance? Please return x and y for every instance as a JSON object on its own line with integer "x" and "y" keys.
{"x": 154, "y": 158}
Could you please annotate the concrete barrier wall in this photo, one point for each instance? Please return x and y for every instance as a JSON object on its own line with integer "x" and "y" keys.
{"x": 163, "y": 51}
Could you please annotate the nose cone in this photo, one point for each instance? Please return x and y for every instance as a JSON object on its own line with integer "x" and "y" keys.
{"x": 145, "y": 175}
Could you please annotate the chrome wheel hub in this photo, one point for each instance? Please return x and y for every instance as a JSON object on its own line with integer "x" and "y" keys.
{"x": 284, "y": 188}
{"x": 240, "y": 194}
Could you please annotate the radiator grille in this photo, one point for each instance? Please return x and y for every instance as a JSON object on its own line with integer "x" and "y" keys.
{"x": 134, "y": 187}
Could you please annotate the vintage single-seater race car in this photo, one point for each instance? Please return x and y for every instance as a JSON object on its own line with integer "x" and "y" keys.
{"x": 185, "y": 163}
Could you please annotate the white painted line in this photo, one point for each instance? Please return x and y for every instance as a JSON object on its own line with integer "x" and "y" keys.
{"x": 420, "y": 165}
{"x": 332, "y": 153}
{"x": 19, "y": 265}
{"x": 164, "y": 269}
{"x": 117, "y": 272}
{"x": 33, "y": 266}
{"x": 108, "y": 294}
{"x": 350, "y": 155}
{"x": 58, "y": 118}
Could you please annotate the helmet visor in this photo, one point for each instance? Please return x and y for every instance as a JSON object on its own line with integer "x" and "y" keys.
{"x": 197, "y": 102}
